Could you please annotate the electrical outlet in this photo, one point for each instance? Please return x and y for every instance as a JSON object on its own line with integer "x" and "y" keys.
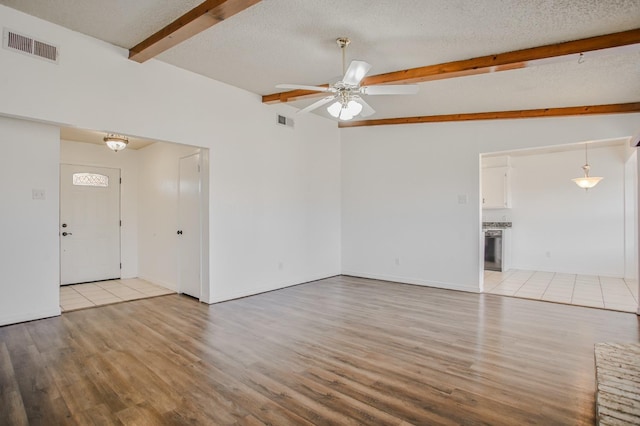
{"x": 397, "y": 261}
{"x": 548, "y": 254}
{"x": 280, "y": 266}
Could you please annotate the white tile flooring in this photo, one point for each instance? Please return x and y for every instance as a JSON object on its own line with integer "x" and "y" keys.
{"x": 80, "y": 296}
{"x": 585, "y": 290}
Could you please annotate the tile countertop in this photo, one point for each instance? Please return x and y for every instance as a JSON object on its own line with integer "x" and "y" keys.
{"x": 496, "y": 225}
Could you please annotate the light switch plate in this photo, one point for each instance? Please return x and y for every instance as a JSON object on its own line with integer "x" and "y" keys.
{"x": 38, "y": 194}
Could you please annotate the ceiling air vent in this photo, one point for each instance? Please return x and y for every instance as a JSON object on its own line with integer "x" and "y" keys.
{"x": 285, "y": 121}
{"x": 29, "y": 46}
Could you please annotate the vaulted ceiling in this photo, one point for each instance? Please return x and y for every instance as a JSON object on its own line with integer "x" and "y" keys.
{"x": 293, "y": 41}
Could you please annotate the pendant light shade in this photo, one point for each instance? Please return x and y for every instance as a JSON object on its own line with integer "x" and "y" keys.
{"x": 116, "y": 142}
{"x": 586, "y": 182}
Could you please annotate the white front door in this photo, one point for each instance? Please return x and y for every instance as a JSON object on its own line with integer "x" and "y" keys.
{"x": 89, "y": 224}
{"x": 189, "y": 229}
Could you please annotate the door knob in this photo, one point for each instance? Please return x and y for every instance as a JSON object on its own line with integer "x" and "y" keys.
{"x": 64, "y": 234}
{"x": 179, "y": 232}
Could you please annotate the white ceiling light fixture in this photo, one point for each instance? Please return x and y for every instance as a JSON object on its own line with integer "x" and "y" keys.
{"x": 587, "y": 181}
{"x": 346, "y": 93}
{"x": 345, "y": 108}
{"x": 116, "y": 142}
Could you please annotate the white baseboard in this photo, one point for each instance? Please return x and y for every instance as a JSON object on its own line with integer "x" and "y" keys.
{"x": 30, "y": 316}
{"x": 159, "y": 282}
{"x": 414, "y": 281}
{"x": 561, "y": 270}
{"x": 266, "y": 288}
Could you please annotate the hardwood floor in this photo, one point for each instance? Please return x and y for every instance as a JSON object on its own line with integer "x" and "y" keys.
{"x": 337, "y": 351}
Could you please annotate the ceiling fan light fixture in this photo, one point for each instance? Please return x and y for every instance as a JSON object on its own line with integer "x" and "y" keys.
{"x": 334, "y": 109}
{"x": 344, "y": 110}
{"x": 354, "y": 108}
{"x": 345, "y": 116}
{"x": 116, "y": 142}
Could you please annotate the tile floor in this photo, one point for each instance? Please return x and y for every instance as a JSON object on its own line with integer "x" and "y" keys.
{"x": 80, "y": 296}
{"x": 616, "y": 294}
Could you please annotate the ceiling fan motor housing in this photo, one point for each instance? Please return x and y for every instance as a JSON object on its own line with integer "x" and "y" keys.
{"x": 343, "y": 42}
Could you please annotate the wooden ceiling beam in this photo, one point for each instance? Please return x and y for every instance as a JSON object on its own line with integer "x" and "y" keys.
{"x": 502, "y": 115}
{"x": 191, "y": 23}
{"x": 622, "y": 41}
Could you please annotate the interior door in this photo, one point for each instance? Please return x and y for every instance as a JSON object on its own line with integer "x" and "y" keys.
{"x": 189, "y": 229}
{"x": 89, "y": 224}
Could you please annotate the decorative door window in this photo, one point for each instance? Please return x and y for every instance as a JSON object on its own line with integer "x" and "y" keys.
{"x": 90, "y": 179}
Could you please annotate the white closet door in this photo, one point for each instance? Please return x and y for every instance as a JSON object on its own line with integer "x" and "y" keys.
{"x": 189, "y": 229}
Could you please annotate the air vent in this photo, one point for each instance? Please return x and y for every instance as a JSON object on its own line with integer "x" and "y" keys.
{"x": 284, "y": 121}
{"x": 29, "y": 46}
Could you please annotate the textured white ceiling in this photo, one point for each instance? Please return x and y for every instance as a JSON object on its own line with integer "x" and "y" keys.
{"x": 124, "y": 23}
{"x": 293, "y": 41}
{"x": 289, "y": 41}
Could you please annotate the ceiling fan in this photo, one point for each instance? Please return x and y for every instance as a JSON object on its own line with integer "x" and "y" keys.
{"x": 347, "y": 93}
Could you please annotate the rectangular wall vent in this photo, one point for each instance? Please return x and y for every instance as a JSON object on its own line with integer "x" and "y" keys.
{"x": 284, "y": 121}
{"x": 29, "y": 46}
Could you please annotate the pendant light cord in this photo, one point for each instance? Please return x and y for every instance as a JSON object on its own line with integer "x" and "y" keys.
{"x": 586, "y": 159}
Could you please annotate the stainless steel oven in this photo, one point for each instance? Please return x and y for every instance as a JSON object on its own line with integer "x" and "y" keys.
{"x": 493, "y": 250}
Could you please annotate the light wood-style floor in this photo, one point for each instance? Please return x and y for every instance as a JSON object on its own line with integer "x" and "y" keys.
{"x": 338, "y": 351}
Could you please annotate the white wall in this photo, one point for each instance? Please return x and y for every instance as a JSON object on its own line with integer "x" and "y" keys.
{"x": 275, "y": 216}
{"x": 274, "y": 192}
{"x": 29, "y": 247}
{"x": 158, "y": 200}
{"x": 127, "y": 161}
{"x": 401, "y": 185}
{"x": 558, "y": 227}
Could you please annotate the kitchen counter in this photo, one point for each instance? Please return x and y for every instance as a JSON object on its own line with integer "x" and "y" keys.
{"x": 496, "y": 225}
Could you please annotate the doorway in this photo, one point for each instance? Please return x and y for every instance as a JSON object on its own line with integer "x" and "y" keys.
{"x": 568, "y": 245}
{"x": 150, "y": 209}
{"x": 89, "y": 224}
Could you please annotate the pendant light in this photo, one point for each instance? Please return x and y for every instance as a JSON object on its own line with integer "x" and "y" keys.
{"x": 116, "y": 142}
{"x": 587, "y": 181}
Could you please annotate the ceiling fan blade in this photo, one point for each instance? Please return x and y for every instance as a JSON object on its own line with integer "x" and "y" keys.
{"x": 366, "y": 108}
{"x": 317, "y": 104}
{"x": 304, "y": 87}
{"x": 390, "y": 89}
{"x": 356, "y": 72}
